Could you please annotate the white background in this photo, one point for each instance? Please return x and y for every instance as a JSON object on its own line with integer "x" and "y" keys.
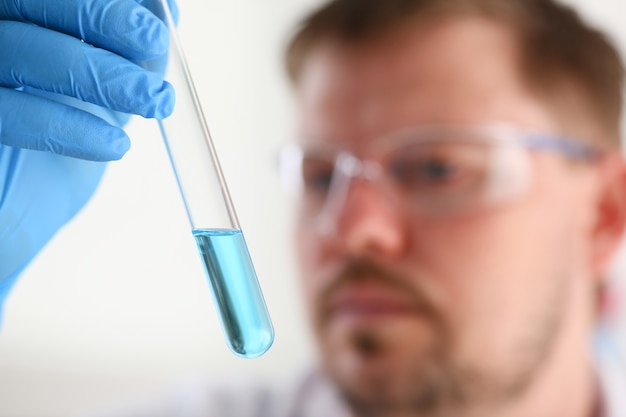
{"x": 117, "y": 305}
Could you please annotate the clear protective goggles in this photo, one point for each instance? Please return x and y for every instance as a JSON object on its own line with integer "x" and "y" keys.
{"x": 428, "y": 170}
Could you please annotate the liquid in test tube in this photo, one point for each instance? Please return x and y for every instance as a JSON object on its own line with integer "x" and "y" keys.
{"x": 223, "y": 250}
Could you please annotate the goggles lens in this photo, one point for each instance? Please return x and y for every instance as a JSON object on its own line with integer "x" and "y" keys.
{"x": 433, "y": 171}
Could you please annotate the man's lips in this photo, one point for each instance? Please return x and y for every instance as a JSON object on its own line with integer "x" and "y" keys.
{"x": 366, "y": 300}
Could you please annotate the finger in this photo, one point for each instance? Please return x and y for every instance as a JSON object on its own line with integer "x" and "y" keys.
{"x": 32, "y": 122}
{"x": 121, "y": 26}
{"x": 115, "y": 118}
{"x": 156, "y": 7}
{"x": 58, "y": 63}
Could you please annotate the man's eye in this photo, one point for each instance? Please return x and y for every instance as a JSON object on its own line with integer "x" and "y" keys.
{"x": 426, "y": 171}
{"x": 317, "y": 176}
{"x": 440, "y": 175}
{"x": 436, "y": 170}
{"x": 318, "y": 182}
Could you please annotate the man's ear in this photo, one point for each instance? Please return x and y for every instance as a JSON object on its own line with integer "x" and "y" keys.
{"x": 610, "y": 222}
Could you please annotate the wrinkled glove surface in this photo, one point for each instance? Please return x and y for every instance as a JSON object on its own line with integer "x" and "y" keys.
{"x": 71, "y": 73}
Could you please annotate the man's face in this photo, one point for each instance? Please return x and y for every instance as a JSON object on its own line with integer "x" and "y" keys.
{"x": 428, "y": 312}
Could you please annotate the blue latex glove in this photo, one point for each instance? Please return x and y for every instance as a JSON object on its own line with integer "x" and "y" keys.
{"x": 69, "y": 78}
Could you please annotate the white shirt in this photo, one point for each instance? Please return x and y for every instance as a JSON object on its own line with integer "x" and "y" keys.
{"x": 611, "y": 370}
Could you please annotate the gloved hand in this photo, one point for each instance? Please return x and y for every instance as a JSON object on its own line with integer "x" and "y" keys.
{"x": 69, "y": 78}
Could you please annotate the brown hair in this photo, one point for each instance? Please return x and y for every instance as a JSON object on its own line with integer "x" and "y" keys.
{"x": 557, "y": 48}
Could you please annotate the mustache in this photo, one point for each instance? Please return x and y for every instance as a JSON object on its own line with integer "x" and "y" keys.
{"x": 363, "y": 269}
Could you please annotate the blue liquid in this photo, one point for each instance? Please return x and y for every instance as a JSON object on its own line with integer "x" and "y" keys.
{"x": 236, "y": 292}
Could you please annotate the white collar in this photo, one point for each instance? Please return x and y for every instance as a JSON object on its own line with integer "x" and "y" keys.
{"x": 610, "y": 365}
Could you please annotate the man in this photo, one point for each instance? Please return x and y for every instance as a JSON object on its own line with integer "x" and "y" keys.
{"x": 462, "y": 194}
{"x": 439, "y": 281}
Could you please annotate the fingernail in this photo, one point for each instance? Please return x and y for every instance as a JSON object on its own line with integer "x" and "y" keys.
{"x": 118, "y": 148}
{"x": 154, "y": 36}
{"x": 162, "y": 40}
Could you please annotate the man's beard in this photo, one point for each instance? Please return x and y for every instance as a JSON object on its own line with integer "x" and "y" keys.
{"x": 436, "y": 382}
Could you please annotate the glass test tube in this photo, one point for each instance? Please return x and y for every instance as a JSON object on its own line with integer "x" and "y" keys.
{"x": 236, "y": 292}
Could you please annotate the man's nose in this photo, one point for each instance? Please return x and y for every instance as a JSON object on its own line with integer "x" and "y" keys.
{"x": 365, "y": 221}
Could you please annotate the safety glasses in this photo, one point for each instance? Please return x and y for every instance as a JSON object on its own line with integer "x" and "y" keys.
{"x": 430, "y": 170}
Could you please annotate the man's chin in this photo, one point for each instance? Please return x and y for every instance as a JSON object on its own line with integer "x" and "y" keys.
{"x": 378, "y": 337}
{"x": 385, "y": 362}
{"x": 367, "y": 352}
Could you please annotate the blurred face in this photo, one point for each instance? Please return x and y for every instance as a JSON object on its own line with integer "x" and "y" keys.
{"x": 426, "y": 312}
